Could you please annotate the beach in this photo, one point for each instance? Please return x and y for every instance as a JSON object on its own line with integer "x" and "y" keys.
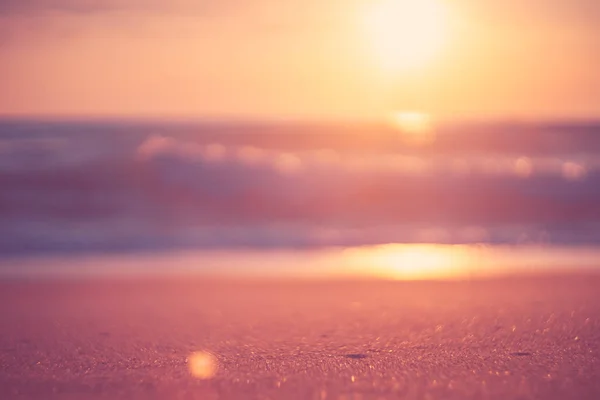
{"x": 504, "y": 338}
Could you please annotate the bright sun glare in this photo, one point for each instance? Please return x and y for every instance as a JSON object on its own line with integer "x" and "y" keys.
{"x": 406, "y": 34}
{"x": 413, "y": 261}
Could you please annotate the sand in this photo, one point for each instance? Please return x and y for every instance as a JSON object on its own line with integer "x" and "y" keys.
{"x": 526, "y": 338}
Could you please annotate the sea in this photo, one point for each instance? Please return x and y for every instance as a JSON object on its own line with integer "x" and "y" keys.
{"x": 95, "y": 197}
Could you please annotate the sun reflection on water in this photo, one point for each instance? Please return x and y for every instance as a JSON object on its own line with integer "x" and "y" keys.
{"x": 413, "y": 261}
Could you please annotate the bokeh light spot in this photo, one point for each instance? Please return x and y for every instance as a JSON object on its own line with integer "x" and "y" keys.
{"x": 523, "y": 167}
{"x": 202, "y": 365}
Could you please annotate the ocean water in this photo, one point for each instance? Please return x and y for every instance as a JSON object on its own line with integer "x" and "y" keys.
{"x": 296, "y": 193}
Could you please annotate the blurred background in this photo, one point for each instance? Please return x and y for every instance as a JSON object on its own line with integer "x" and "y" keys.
{"x": 293, "y": 198}
{"x": 393, "y": 138}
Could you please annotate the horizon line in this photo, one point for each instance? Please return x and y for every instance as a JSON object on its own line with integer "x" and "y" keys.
{"x": 279, "y": 119}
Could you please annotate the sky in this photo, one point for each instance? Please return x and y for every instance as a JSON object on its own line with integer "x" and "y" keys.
{"x": 294, "y": 58}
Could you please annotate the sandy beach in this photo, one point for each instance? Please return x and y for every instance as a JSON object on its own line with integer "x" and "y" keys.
{"x": 518, "y": 338}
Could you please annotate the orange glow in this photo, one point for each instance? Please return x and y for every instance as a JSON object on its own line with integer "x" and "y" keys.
{"x": 415, "y": 127}
{"x": 406, "y": 34}
{"x": 413, "y": 261}
{"x": 144, "y": 63}
{"x": 412, "y": 121}
{"x": 202, "y": 365}
{"x": 392, "y": 261}
{"x": 332, "y": 59}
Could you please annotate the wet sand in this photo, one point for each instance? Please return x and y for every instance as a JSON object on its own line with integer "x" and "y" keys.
{"x": 522, "y": 338}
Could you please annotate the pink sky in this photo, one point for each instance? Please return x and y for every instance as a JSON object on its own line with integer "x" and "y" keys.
{"x": 300, "y": 58}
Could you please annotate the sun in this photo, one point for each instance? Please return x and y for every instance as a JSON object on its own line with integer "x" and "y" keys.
{"x": 406, "y": 34}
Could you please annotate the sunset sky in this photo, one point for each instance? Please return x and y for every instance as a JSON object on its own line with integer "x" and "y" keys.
{"x": 296, "y": 58}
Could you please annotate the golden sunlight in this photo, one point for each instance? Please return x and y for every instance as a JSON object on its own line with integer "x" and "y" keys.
{"x": 415, "y": 127}
{"x": 406, "y": 34}
{"x": 413, "y": 261}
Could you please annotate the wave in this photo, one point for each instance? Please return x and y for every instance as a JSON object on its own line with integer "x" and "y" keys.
{"x": 117, "y": 187}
